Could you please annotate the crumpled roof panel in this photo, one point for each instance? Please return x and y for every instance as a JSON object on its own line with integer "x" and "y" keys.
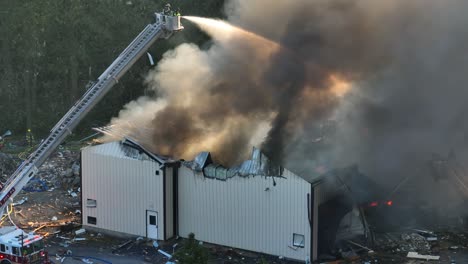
{"x": 200, "y": 161}
{"x": 258, "y": 165}
{"x": 139, "y": 148}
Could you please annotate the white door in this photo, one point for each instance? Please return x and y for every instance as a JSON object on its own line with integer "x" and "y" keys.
{"x": 152, "y": 224}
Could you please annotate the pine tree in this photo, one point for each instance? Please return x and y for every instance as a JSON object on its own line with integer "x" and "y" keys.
{"x": 191, "y": 252}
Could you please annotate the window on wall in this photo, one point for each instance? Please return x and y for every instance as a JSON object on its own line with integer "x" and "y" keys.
{"x": 298, "y": 240}
{"x": 91, "y": 203}
{"x": 157, "y": 172}
{"x": 92, "y": 220}
{"x": 152, "y": 220}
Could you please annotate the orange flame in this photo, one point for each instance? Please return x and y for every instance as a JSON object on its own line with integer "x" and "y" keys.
{"x": 339, "y": 86}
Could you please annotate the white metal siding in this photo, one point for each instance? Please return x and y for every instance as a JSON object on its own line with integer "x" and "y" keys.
{"x": 124, "y": 189}
{"x": 241, "y": 214}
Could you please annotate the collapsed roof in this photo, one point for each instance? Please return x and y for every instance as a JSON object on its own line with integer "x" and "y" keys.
{"x": 257, "y": 165}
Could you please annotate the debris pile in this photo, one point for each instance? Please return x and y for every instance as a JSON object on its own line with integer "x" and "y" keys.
{"x": 61, "y": 170}
{"x": 8, "y": 165}
{"x": 403, "y": 243}
{"x": 141, "y": 247}
{"x": 46, "y": 212}
{"x": 50, "y": 203}
{"x": 418, "y": 245}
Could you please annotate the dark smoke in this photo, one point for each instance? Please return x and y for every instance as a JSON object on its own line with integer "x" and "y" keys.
{"x": 287, "y": 77}
{"x": 404, "y": 60}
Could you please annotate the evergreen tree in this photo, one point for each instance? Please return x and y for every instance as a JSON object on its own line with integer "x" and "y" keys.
{"x": 191, "y": 252}
{"x": 50, "y": 50}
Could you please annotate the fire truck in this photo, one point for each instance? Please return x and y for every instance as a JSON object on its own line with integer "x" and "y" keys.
{"x": 17, "y": 246}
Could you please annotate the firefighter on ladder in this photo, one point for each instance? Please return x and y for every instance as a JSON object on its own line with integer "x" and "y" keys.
{"x": 167, "y": 10}
{"x": 177, "y": 12}
{"x": 30, "y": 138}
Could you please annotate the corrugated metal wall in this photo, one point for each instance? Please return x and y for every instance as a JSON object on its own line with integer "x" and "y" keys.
{"x": 243, "y": 213}
{"x": 124, "y": 188}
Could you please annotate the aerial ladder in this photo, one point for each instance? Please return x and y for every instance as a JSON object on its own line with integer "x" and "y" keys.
{"x": 164, "y": 27}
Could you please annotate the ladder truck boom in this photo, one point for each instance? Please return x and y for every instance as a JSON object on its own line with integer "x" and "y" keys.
{"x": 164, "y": 27}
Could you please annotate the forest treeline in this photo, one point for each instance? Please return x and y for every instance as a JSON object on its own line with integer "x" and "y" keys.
{"x": 51, "y": 49}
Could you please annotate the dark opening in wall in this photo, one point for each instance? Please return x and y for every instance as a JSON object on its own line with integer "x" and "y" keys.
{"x": 92, "y": 220}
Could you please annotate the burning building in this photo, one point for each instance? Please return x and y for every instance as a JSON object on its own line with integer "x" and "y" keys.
{"x": 256, "y": 206}
{"x": 389, "y": 74}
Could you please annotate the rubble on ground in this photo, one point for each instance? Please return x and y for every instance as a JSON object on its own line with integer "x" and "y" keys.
{"x": 8, "y": 164}
{"x": 411, "y": 246}
{"x": 402, "y": 243}
{"x": 51, "y": 201}
{"x": 217, "y": 254}
{"x": 61, "y": 170}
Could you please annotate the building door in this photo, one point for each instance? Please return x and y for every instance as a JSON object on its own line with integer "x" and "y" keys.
{"x": 152, "y": 224}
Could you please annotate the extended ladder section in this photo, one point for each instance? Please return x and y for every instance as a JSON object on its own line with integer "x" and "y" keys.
{"x": 164, "y": 27}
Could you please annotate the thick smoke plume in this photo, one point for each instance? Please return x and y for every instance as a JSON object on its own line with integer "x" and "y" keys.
{"x": 246, "y": 89}
{"x": 317, "y": 84}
